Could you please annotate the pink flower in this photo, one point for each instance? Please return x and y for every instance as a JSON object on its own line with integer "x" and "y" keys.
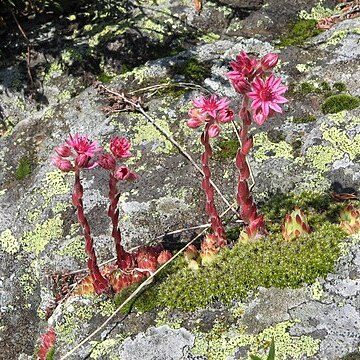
{"x": 243, "y": 65}
{"x": 120, "y": 147}
{"x": 225, "y": 115}
{"x": 266, "y": 96}
{"x": 269, "y": 61}
{"x": 211, "y": 105}
{"x": 197, "y": 118}
{"x": 82, "y": 145}
{"x": 124, "y": 173}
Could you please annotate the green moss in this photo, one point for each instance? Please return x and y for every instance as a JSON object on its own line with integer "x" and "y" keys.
{"x": 24, "y": 168}
{"x": 337, "y": 103}
{"x": 318, "y": 207}
{"x": 228, "y": 148}
{"x": 339, "y": 86}
{"x": 304, "y": 119}
{"x": 271, "y": 262}
{"x": 301, "y": 31}
{"x": 193, "y": 70}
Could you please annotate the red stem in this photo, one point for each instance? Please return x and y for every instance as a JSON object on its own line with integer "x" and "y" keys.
{"x": 210, "y": 208}
{"x": 124, "y": 259}
{"x": 248, "y": 210}
{"x": 101, "y": 284}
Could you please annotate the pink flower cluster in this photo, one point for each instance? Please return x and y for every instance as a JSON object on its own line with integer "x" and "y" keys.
{"x": 212, "y": 111}
{"x": 120, "y": 149}
{"x": 80, "y": 149}
{"x": 254, "y": 79}
{"x": 79, "y": 153}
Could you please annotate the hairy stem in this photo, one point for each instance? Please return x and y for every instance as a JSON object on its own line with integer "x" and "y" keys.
{"x": 248, "y": 210}
{"x": 210, "y": 208}
{"x": 123, "y": 259}
{"x": 101, "y": 284}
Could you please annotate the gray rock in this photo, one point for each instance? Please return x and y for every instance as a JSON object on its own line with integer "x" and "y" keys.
{"x": 161, "y": 343}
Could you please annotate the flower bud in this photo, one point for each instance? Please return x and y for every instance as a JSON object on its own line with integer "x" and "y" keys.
{"x": 269, "y": 61}
{"x": 63, "y": 151}
{"x": 62, "y": 164}
{"x": 124, "y": 173}
{"x": 164, "y": 257}
{"x": 107, "y": 161}
{"x": 82, "y": 160}
{"x": 225, "y": 115}
{"x": 214, "y": 130}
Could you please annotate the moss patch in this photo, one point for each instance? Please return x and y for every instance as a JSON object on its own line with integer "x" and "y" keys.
{"x": 304, "y": 119}
{"x": 192, "y": 70}
{"x": 228, "y": 149}
{"x": 24, "y": 168}
{"x": 337, "y": 103}
{"x": 245, "y": 267}
{"x": 301, "y": 31}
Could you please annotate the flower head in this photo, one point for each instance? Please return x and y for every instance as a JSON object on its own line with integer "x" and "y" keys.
{"x": 243, "y": 65}
{"x": 82, "y": 145}
{"x": 120, "y": 147}
{"x": 211, "y": 104}
{"x": 266, "y": 95}
{"x": 62, "y": 164}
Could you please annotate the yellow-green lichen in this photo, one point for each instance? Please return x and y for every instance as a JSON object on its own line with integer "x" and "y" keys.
{"x": 105, "y": 347}
{"x": 222, "y": 342}
{"x": 321, "y": 156}
{"x": 265, "y": 149}
{"x": 140, "y": 74}
{"x": 316, "y": 290}
{"x": 339, "y": 35}
{"x": 107, "y": 32}
{"x": 54, "y": 184}
{"x": 74, "y": 314}
{"x": 36, "y": 240}
{"x": 74, "y": 248}
{"x": 29, "y": 279}
{"x": 55, "y": 69}
{"x": 146, "y": 134}
{"x": 209, "y": 37}
{"x": 317, "y": 13}
{"x": 8, "y": 242}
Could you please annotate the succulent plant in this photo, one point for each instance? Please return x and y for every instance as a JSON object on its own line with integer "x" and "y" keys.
{"x": 295, "y": 225}
{"x": 350, "y": 219}
{"x": 209, "y": 249}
